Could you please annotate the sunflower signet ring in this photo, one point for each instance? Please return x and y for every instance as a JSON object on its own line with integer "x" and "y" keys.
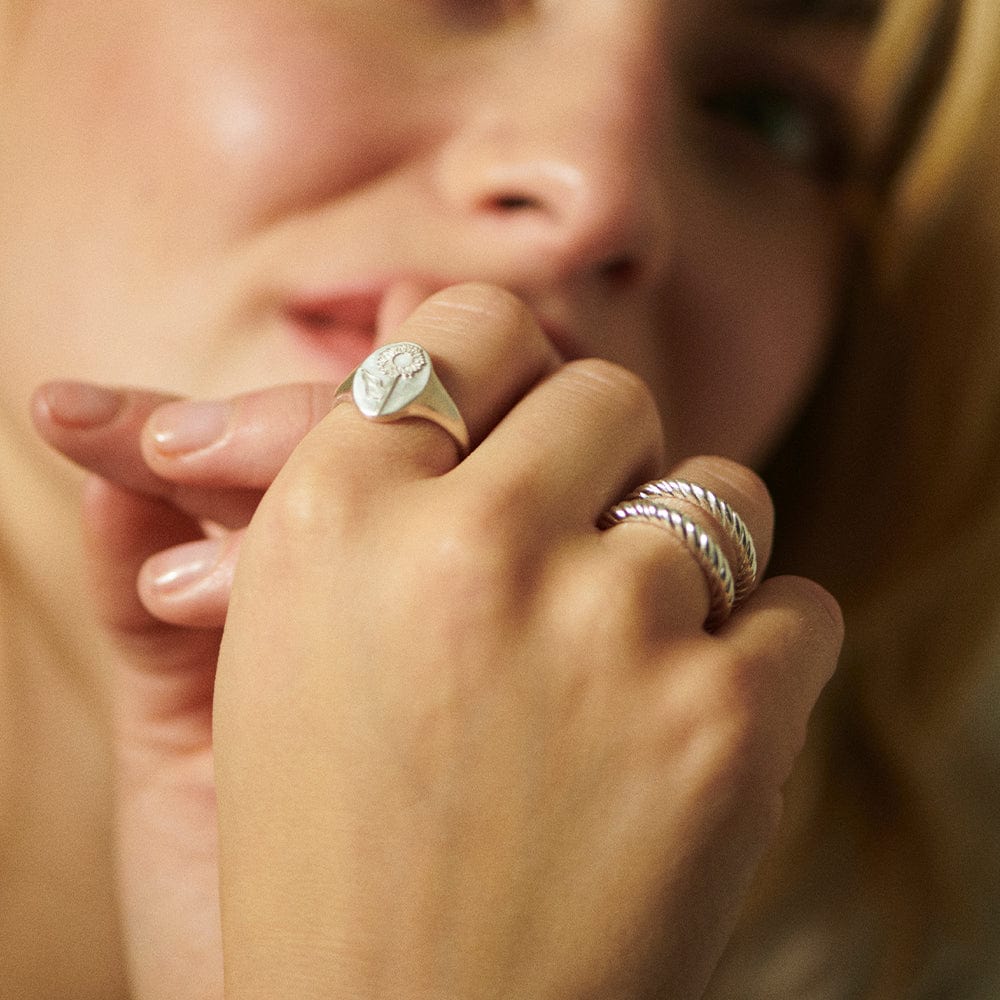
{"x": 399, "y": 381}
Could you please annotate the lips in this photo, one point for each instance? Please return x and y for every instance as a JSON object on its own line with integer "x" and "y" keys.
{"x": 339, "y": 329}
{"x": 342, "y": 329}
{"x": 330, "y": 316}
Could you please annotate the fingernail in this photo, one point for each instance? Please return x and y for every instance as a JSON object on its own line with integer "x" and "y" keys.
{"x": 177, "y": 569}
{"x": 81, "y": 405}
{"x": 178, "y": 428}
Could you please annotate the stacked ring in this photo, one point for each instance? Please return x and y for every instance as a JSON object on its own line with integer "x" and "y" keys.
{"x": 698, "y": 542}
{"x": 656, "y": 502}
{"x": 711, "y": 503}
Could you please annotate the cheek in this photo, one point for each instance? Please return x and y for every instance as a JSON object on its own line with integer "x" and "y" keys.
{"x": 237, "y": 113}
{"x": 224, "y": 114}
{"x": 146, "y": 141}
{"x": 269, "y": 115}
{"x": 755, "y": 329}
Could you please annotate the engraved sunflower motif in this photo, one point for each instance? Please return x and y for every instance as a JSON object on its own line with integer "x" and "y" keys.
{"x": 401, "y": 360}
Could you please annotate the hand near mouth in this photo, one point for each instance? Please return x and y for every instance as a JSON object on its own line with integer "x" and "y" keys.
{"x": 160, "y": 584}
{"x": 460, "y": 734}
{"x": 173, "y": 485}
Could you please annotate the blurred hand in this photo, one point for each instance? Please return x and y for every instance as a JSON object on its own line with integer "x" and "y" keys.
{"x": 162, "y": 588}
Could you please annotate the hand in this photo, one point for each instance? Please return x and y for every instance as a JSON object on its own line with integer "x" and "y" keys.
{"x": 467, "y": 745}
{"x": 162, "y": 592}
{"x": 162, "y": 589}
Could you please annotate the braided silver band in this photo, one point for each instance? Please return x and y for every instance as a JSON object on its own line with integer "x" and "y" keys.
{"x": 699, "y": 543}
{"x": 700, "y": 496}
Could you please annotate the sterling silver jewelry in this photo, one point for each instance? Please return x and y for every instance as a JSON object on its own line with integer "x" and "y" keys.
{"x": 399, "y": 381}
{"x": 746, "y": 563}
{"x": 696, "y": 539}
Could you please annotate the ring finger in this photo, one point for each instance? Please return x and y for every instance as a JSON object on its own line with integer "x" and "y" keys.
{"x": 656, "y": 558}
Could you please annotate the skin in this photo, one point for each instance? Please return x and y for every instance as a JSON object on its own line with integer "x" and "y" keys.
{"x": 168, "y": 173}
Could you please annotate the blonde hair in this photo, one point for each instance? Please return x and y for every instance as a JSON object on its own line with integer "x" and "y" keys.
{"x": 888, "y": 492}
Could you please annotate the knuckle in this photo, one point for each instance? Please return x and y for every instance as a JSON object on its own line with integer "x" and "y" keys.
{"x": 474, "y": 308}
{"x": 594, "y": 605}
{"x": 299, "y": 507}
{"x": 623, "y": 398}
{"x": 725, "y": 718}
{"x": 461, "y": 561}
{"x": 467, "y": 561}
{"x": 625, "y": 388}
{"x": 758, "y": 719}
{"x": 628, "y": 610}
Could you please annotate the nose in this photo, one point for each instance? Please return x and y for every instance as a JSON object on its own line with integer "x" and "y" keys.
{"x": 556, "y": 164}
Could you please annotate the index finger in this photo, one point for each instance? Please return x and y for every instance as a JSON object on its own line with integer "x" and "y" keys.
{"x": 241, "y": 442}
{"x": 488, "y": 351}
{"x": 100, "y": 429}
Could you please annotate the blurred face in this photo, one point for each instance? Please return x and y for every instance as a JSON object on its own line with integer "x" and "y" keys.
{"x": 212, "y": 195}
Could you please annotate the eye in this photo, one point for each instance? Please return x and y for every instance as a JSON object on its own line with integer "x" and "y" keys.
{"x": 795, "y": 126}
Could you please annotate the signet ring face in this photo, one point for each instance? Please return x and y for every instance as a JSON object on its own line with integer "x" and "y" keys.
{"x": 398, "y": 381}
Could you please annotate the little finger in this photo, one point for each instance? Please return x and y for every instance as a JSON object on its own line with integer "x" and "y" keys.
{"x": 784, "y": 644}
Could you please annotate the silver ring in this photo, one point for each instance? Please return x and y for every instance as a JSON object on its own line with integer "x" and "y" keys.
{"x": 698, "y": 542}
{"x": 399, "y": 381}
{"x": 700, "y": 496}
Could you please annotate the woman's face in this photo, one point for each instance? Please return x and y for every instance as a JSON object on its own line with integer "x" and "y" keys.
{"x": 212, "y": 195}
